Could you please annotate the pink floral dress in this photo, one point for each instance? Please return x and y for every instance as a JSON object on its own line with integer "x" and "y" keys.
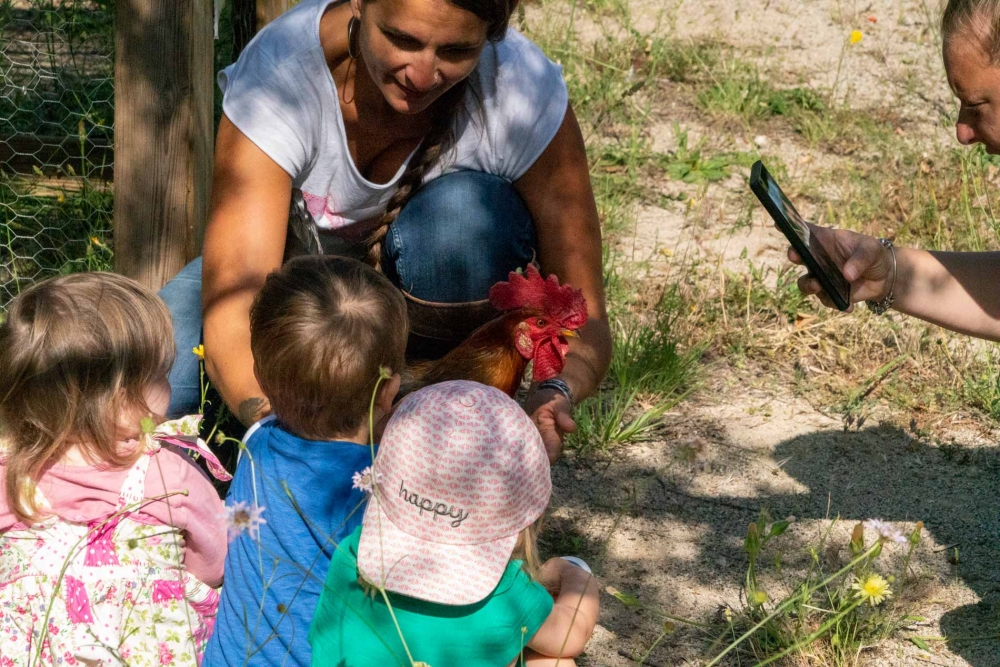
{"x": 113, "y": 591}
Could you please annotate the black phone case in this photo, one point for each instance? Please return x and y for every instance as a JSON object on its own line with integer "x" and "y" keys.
{"x": 757, "y": 185}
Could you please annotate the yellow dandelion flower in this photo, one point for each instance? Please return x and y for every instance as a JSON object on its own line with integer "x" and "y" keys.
{"x": 873, "y": 590}
{"x": 199, "y": 351}
{"x": 856, "y": 36}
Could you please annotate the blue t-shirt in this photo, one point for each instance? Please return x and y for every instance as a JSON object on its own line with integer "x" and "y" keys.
{"x": 272, "y": 584}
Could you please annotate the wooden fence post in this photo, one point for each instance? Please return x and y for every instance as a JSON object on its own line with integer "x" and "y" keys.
{"x": 268, "y": 10}
{"x": 163, "y": 135}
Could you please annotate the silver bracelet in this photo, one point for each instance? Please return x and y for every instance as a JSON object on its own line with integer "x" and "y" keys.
{"x": 558, "y": 385}
{"x": 879, "y": 307}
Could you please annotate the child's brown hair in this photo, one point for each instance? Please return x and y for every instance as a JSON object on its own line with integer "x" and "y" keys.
{"x": 320, "y": 330}
{"x": 77, "y": 354}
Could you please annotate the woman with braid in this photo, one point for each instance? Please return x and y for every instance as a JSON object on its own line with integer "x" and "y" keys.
{"x": 425, "y": 137}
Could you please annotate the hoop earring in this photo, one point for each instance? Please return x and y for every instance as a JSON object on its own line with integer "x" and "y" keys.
{"x": 352, "y": 29}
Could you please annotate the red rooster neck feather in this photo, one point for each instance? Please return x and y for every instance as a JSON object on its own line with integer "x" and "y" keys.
{"x": 565, "y": 305}
{"x": 488, "y": 356}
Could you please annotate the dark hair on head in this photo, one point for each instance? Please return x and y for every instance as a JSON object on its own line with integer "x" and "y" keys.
{"x": 496, "y": 14}
{"x": 77, "y": 355}
{"x": 979, "y": 19}
{"x": 321, "y": 329}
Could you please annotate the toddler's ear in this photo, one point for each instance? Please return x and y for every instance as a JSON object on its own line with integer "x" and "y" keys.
{"x": 387, "y": 393}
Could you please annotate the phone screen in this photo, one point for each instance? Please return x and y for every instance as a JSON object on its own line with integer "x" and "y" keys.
{"x": 791, "y": 221}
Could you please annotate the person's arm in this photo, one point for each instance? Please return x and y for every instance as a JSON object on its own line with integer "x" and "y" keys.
{"x": 558, "y": 194}
{"x": 956, "y": 290}
{"x": 568, "y": 628}
{"x": 244, "y": 241}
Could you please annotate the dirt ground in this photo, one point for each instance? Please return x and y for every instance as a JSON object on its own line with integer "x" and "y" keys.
{"x": 665, "y": 520}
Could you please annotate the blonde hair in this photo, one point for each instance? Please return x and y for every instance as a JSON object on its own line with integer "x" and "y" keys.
{"x": 526, "y": 549}
{"x": 979, "y": 19}
{"x": 321, "y": 329}
{"x": 77, "y": 353}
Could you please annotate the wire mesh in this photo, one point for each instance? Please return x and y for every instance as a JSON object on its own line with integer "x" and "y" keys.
{"x": 56, "y": 139}
{"x": 57, "y": 132}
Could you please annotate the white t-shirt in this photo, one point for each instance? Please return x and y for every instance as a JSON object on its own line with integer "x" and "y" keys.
{"x": 281, "y": 95}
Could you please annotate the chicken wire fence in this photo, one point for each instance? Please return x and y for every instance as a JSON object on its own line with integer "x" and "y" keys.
{"x": 56, "y": 138}
{"x": 57, "y": 133}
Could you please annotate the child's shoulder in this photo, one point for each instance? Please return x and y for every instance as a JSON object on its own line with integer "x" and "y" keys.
{"x": 172, "y": 468}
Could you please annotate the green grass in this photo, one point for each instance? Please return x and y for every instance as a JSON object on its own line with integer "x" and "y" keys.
{"x": 825, "y": 620}
{"x": 650, "y": 371}
{"x": 739, "y": 91}
{"x": 650, "y": 374}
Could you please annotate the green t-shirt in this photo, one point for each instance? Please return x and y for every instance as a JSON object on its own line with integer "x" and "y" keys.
{"x": 351, "y": 629}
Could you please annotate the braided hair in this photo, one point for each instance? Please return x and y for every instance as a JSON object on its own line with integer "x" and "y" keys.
{"x": 438, "y": 140}
{"x": 441, "y": 136}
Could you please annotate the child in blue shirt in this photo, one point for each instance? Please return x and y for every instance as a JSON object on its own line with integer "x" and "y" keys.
{"x": 322, "y": 331}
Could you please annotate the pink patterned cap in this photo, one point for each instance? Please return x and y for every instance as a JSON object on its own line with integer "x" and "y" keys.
{"x": 461, "y": 470}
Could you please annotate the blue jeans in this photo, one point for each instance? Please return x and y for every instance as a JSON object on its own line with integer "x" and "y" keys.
{"x": 460, "y": 234}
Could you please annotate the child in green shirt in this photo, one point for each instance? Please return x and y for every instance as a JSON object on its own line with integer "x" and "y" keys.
{"x": 460, "y": 479}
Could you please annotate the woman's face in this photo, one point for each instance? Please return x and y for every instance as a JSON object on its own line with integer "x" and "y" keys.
{"x": 976, "y": 84}
{"x": 415, "y": 50}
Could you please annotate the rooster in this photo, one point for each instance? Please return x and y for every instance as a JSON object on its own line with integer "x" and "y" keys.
{"x": 538, "y": 315}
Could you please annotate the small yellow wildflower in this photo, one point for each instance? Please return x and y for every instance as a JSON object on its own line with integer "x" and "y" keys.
{"x": 856, "y": 36}
{"x": 199, "y": 352}
{"x": 873, "y": 590}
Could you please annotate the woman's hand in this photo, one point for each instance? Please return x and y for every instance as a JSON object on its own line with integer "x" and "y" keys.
{"x": 865, "y": 263}
{"x": 552, "y": 414}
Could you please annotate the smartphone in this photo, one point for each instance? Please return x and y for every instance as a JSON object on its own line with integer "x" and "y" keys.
{"x": 795, "y": 228}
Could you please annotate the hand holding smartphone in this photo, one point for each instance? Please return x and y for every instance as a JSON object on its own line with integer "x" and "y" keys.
{"x": 791, "y": 224}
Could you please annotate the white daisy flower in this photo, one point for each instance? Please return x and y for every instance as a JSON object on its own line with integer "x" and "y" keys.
{"x": 886, "y": 531}
{"x": 365, "y": 480}
{"x": 243, "y": 517}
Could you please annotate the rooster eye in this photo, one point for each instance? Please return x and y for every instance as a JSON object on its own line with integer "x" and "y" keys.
{"x": 540, "y": 323}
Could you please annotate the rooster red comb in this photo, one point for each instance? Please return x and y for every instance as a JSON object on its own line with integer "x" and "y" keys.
{"x": 529, "y": 290}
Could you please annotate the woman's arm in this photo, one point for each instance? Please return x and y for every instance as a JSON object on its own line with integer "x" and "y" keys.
{"x": 244, "y": 241}
{"x": 560, "y": 199}
{"x": 568, "y": 628}
{"x": 956, "y": 290}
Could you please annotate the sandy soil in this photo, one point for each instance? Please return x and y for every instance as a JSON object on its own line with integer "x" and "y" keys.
{"x": 665, "y": 520}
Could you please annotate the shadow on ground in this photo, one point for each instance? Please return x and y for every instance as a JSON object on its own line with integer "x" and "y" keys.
{"x": 873, "y": 473}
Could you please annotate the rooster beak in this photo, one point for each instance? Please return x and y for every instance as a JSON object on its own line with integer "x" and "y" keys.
{"x": 569, "y": 333}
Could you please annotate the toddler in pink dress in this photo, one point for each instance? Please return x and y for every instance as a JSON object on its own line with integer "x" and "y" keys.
{"x": 112, "y": 539}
